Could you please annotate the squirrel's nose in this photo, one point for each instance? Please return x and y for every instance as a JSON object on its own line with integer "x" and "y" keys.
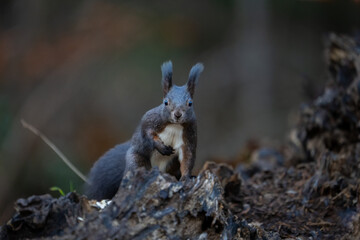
{"x": 177, "y": 115}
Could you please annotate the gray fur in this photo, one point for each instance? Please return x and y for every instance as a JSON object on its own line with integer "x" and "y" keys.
{"x": 166, "y": 69}
{"x": 107, "y": 172}
{"x": 194, "y": 75}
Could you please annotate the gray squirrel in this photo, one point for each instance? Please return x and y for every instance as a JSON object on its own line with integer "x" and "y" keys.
{"x": 166, "y": 137}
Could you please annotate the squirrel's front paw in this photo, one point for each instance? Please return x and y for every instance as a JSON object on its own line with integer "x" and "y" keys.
{"x": 166, "y": 150}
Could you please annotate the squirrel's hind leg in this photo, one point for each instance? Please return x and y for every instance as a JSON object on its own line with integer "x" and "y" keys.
{"x": 135, "y": 160}
{"x": 173, "y": 168}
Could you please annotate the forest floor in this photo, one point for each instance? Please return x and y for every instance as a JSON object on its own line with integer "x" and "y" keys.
{"x": 307, "y": 188}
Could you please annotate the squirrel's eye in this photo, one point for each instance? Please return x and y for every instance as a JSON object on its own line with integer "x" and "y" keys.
{"x": 190, "y": 103}
{"x": 166, "y": 102}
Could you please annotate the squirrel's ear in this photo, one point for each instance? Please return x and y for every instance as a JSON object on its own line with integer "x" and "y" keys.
{"x": 166, "y": 82}
{"x": 194, "y": 77}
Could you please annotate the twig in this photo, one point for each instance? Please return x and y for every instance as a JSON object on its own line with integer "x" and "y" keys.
{"x": 320, "y": 223}
{"x": 54, "y": 148}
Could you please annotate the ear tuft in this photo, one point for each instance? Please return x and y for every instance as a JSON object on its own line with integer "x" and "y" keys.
{"x": 194, "y": 75}
{"x": 166, "y": 69}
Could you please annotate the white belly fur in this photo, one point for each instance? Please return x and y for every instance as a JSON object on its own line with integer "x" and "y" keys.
{"x": 172, "y": 136}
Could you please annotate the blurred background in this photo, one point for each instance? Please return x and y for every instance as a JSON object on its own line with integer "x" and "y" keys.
{"x": 84, "y": 72}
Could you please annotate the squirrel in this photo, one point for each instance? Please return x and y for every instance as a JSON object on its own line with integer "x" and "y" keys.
{"x": 166, "y": 137}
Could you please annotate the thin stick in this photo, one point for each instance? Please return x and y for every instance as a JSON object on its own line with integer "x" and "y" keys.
{"x": 54, "y": 148}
